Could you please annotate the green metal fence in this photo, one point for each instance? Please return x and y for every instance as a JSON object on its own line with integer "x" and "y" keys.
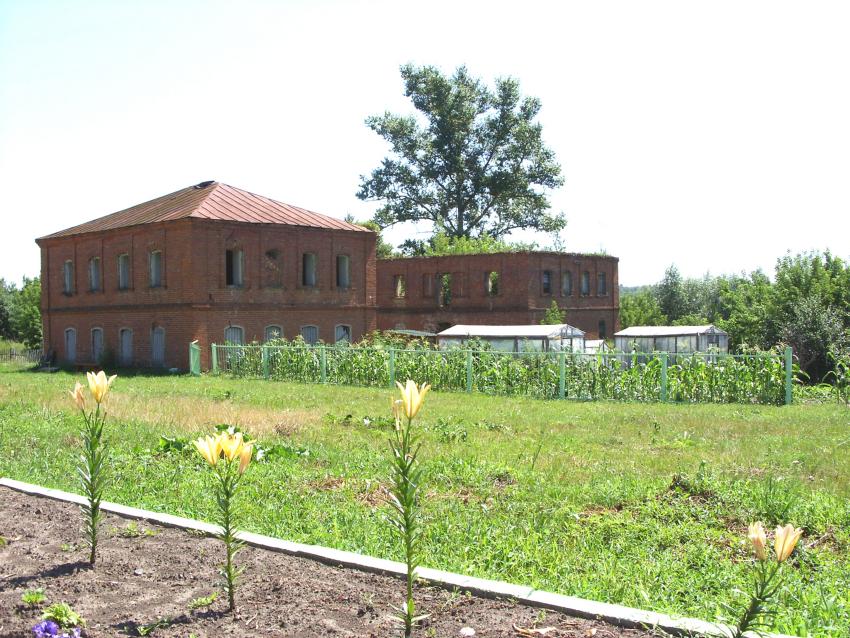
{"x": 764, "y": 378}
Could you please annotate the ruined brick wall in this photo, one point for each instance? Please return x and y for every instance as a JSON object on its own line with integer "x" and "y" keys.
{"x": 194, "y": 301}
{"x": 522, "y": 296}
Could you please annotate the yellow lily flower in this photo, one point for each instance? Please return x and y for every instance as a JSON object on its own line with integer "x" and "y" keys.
{"x": 412, "y": 397}
{"x": 208, "y": 448}
{"x": 78, "y": 396}
{"x": 99, "y": 384}
{"x": 245, "y": 456}
{"x": 786, "y": 541}
{"x": 231, "y": 444}
{"x": 759, "y": 539}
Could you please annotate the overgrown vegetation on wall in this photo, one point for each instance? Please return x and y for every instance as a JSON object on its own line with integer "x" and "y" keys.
{"x": 806, "y": 306}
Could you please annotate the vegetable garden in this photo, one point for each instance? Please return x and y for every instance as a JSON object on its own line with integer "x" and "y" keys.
{"x": 763, "y": 378}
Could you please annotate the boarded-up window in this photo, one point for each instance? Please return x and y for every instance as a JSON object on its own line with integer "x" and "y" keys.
{"x": 234, "y": 267}
{"x": 428, "y": 285}
{"x": 158, "y": 346}
{"x": 94, "y": 273}
{"x": 310, "y": 334}
{"x": 343, "y": 271}
{"x": 96, "y": 345}
{"x": 156, "y": 268}
{"x": 400, "y": 286}
{"x": 272, "y": 333}
{"x": 234, "y": 335}
{"x": 125, "y": 347}
{"x": 70, "y": 345}
{"x": 123, "y": 271}
{"x": 567, "y": 284}
{"x": 308, "y": 270}
{"x": 342, "y": 334}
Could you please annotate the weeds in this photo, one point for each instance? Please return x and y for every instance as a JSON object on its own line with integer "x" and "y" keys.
{"x": 203, "y": 602}
{"x": 33, "y": 597}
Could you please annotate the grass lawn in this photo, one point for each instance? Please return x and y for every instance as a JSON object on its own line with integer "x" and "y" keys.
{"x": 638, "y": 504}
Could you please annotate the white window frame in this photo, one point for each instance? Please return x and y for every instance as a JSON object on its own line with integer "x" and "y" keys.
{"x": 155, "y": 282}
{"x": 336, "y": 333}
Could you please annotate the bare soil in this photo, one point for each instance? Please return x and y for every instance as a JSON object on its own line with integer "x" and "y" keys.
{"x": 151, "y": 573}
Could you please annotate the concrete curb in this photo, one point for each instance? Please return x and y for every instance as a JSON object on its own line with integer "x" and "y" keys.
{"x": 614, "y": 614}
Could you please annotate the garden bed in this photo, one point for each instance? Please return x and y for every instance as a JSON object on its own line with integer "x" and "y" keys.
{"x": 149, "y": 574}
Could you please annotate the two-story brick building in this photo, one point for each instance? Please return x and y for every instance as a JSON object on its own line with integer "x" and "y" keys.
{"x": 434, "y": 293}
{"x": 210, "y": 263}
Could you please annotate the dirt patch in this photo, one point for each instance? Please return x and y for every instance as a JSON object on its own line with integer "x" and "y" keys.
{"x": 150, "y": 577}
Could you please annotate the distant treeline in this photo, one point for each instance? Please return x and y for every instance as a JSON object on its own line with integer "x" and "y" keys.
{"x": 806, "y": 306}
{"x": 20, "y": 314}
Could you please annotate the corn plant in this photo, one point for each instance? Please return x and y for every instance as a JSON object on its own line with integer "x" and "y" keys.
{"x": 91, "y": 466}
{"x": 405, "y": 483}
{"x": 228, "y": 455}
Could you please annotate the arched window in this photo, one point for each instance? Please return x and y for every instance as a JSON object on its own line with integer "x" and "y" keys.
{"x": 273, "y": 332}
{"x": 546, "y": 282}
{"x": 310, "y": 334}
{"x": 123, "y": 271}
{"x": 234, "y": 335}
{"x": 97, "y": 344}
{"x": 158, "y": 346}
{"x": 343, "y": 271}
{"x": 603, "y": 330}
{"x": 234, "y": 267}
{"x": 125, "y": 347}
{"x": 491, "y": 282}
{"x": 94, "y": 274}
{"x": 601, "y": 284}
{"x": 70, "y": 345}
{"x": 273, "y": 268}
{"x": 342, "y": 333}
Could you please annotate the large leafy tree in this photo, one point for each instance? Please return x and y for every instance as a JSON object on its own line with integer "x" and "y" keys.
{"x": 472, "y": 162}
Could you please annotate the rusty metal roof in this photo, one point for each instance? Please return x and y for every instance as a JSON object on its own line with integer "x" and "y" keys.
{"x": 210, "y": 200}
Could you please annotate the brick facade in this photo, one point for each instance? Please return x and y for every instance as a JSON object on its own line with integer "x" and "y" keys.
{"x": 193, "y": 300}
{"x": 520, "y": 298}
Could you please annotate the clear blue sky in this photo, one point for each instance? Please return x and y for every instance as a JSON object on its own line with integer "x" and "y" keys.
{"x": 713, "y": 135}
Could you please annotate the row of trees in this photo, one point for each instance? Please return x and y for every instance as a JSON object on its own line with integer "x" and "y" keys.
{"x": 806, "y": 306}
{"x": 20, "y": 314}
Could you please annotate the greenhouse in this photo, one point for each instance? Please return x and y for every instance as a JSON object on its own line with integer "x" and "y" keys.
{"x": 522, "y": 338}
{"x": 673, "y": 339}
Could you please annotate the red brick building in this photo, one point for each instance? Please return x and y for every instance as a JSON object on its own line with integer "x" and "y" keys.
{"x": 209, "y": 263}
{"x": 433, "y": 293}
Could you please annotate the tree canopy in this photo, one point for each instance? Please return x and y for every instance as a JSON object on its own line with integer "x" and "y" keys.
{"x": 472, "y": 163}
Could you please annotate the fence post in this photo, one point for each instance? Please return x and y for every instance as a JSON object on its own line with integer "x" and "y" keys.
{"x": 663, "y": 377}
{"x": 194, "y": 359}
{"x": 562, "y": 374}
{"x": 789, "y": 360}
{"x": 469, "y": 370}
{"x": 324, "y": 362}
{"x": 266, "y": 363}
{"x": 392, "y": 367}
{"x": 214, "y": 359}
